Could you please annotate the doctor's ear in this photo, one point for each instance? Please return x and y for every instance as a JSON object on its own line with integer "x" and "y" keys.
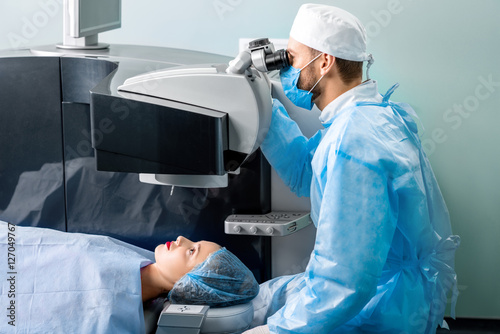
{"x": 326, "y": 63}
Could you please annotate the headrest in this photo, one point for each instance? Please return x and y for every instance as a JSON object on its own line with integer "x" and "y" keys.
{"x": 230, "y": 319}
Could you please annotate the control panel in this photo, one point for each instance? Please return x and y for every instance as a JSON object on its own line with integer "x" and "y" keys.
{"x": 276, "y": 223}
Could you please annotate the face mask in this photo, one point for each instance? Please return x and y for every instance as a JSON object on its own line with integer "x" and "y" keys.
{"x": 289, "y": 78}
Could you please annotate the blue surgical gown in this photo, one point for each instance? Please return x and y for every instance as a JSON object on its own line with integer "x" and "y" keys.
{"x": 71, "y": 282}
{"x": 383, "y": 260}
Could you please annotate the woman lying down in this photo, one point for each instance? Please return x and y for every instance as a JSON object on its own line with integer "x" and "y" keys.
{"x": 78, "y": 283}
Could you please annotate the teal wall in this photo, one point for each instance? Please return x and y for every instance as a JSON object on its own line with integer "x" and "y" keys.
{"x": 444, "y": 53}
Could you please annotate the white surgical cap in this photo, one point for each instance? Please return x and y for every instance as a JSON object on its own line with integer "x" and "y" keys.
{"x": 331, "y": 30}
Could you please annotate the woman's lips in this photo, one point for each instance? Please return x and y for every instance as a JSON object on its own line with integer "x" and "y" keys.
{"x": 168, "y": 244}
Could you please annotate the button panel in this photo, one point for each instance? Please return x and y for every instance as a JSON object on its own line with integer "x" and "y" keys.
{"x": 276, "y": 223}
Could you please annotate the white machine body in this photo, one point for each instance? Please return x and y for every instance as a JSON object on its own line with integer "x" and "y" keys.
{"x": 245, "y": 98}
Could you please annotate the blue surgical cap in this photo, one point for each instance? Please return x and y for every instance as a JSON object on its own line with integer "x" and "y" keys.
{"x": 221, "y": 280}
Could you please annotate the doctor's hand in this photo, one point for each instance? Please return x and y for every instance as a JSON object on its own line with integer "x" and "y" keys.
{"x": 258, "y": 330}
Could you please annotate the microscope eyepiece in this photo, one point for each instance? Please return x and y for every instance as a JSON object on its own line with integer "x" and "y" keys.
{"x": 277, "y": 60}
{"x": 264, "y": 58}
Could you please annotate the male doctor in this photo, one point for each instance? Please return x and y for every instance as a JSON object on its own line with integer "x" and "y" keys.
{"x": 383, "y": 259}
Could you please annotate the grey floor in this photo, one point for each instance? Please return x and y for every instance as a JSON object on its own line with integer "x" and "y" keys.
{"x": 471, "y": 326}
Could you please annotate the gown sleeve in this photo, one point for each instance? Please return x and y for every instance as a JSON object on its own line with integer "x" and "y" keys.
{"x": 289, "y": 151}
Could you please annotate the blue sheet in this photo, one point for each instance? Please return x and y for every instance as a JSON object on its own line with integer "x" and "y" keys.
{"x": 71, "y": 283}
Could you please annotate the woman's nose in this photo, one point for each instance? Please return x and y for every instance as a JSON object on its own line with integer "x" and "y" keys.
{"x": 182, "y": 240}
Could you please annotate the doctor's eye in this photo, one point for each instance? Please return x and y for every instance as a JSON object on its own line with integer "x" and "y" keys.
{"x": 290, "y": 57}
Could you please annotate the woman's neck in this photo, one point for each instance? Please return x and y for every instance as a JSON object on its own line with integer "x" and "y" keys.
{"x": 151, "y": 284}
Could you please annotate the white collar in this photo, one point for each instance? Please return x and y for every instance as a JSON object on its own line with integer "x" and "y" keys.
{"x": 365, "y": 92}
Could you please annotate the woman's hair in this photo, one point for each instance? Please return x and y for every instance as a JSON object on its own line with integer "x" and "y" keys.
{"x": 221, "y": 280}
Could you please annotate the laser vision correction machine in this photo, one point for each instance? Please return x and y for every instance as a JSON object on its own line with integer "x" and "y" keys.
{"x": 218, "y": 114}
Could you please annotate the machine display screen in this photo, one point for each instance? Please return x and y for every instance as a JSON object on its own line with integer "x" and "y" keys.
{"x": 96, "y": 16}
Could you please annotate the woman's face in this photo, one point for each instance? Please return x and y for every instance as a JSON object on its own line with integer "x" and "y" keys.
{"x": 175, "y": 259}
